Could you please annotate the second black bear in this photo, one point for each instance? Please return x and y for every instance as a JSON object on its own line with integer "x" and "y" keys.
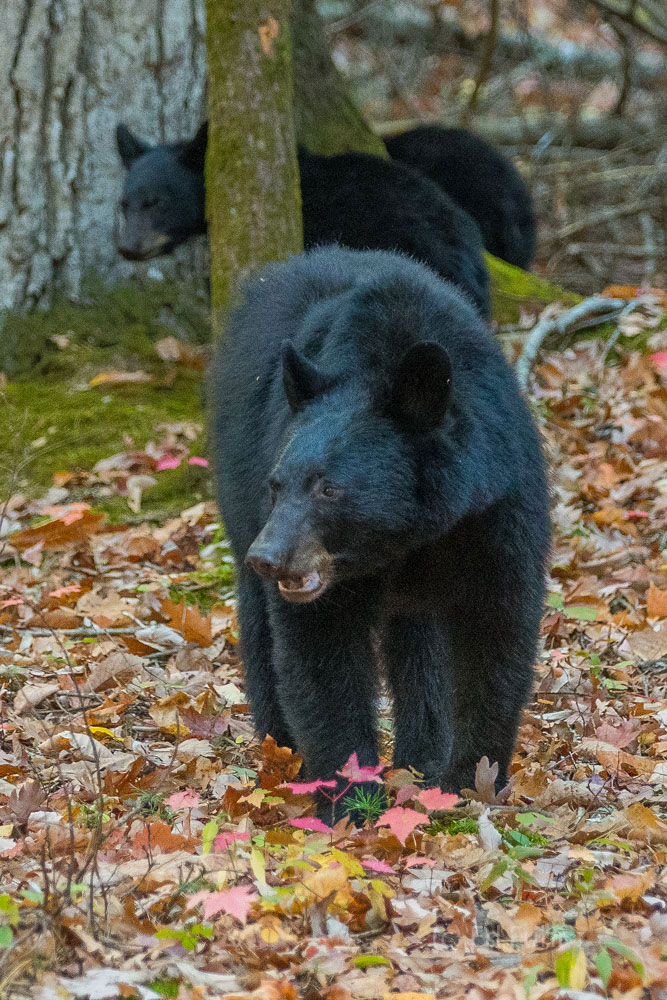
{"x": 383, "y": 488}
{"x": 361, "y": 201}
{"x": 479, "y": 179}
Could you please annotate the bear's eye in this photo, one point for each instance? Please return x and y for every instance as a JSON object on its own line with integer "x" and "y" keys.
{"x": 124, "y": 205}
{"x": 149, "y": 202}
{"x": 327, "y": 490}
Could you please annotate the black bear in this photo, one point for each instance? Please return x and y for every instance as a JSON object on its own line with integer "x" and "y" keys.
{"x": 358, "y": 200}
{"x": 383, "y": 489}
{"x": 479, "y": 179}
{"x": 163, "y": 201}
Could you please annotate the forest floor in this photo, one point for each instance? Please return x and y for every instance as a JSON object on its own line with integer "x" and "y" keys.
{"x": 150, "y": 847}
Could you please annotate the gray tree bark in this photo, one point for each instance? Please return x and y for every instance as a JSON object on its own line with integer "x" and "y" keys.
{"x": 69, "y": 71}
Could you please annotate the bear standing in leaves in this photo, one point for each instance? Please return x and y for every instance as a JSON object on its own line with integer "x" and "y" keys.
{"x": 358, "y": 200}
{"x": 479, "y": 179}
{"x": 383, "y": 488}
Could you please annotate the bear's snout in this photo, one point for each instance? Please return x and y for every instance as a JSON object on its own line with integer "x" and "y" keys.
{"x": 301, "y": 575}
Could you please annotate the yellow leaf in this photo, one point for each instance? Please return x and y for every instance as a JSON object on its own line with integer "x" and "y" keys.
{"x": 578, "y": 971}
{"x": 100, "y": 731}
{"x": 351, "y": 865}
{"x": 258, "y": 865}
{"x": 119, "y": 378}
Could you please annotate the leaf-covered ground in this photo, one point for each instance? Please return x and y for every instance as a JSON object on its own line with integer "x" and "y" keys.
{"x": 149, "y": 847}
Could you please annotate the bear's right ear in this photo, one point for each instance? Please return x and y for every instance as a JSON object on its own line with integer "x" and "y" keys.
{"x": 193, "y": 155}
{"x": 129, "y": 146}
{"x": 301, "y": 380}
{"x": 421, "y": 389}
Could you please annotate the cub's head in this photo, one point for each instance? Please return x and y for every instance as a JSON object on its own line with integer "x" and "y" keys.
{"x": 163, "y": 202}
{"x": 346, "y": 497}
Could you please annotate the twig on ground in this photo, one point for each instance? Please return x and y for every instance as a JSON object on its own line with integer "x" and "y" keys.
{"x": 590, "y": 312}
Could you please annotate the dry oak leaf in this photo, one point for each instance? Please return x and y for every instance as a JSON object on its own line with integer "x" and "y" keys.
{"x": 187, "y": 619}
{"x": 157, "y": 838}
{"x": 31, "y": 695}
{"x": 644, "y": 825}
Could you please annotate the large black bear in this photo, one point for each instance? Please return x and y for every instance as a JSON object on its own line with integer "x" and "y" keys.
{"x": 383, "y": 488}
{"x": 479, "y": 179}
{"x": 358, "y": 200}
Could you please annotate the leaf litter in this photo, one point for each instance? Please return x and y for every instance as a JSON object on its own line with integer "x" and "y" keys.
{"x": 151, "y": 847}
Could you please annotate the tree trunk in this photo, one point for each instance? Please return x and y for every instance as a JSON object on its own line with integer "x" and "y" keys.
{"x": 252, "y": 176}
{"x": 326, "y": 120}
{"x": 69, "y": 71}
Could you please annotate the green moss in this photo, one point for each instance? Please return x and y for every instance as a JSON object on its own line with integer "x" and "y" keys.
{"x": 58, "y": 426}
{"x": 116, "y": 326}
{"x": 513, "y": 290}
{"x": 453, "y": 826}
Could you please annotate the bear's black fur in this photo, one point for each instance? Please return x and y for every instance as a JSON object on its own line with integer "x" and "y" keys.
{"x": 163, "y": 200}
{"x": 361, "y": 201}
{"x": 383, "y": 488}
{"x": 479, "y": 179}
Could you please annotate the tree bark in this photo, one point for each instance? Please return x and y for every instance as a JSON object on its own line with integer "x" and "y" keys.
{"x": 69, "y": 71}
{"x": 252, "y": 177}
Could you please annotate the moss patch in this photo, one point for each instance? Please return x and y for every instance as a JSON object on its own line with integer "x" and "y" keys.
{"x": 513, "y": 290}
{"x": 115, "y": 327}
{"x": 56, "y": 426}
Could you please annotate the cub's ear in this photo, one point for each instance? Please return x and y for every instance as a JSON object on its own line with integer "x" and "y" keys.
{"x": 421, "y": 389}
{"x": 129, "y": 146}
{"x": 301, "y": 380}
{"x": 193, "y": 154}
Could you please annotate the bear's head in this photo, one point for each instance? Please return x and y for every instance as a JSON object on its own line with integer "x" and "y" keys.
{"x": 163, "y": 200}
{"x": 346, "y": 495}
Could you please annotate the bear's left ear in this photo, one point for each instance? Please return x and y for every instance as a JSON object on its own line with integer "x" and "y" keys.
{"x": 302, "y": 381}
{"x": 421, "y": 389}
{"x": 193, "y": 154}
{"x": 130, "y": 147}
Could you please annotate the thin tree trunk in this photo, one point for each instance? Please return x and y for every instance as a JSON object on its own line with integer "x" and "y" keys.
{"x": 69, "y": 70}
{"x": 252, "y": 178}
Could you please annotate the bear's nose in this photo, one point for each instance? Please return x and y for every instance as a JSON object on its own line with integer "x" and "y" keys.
{"x": 263, "y": 566}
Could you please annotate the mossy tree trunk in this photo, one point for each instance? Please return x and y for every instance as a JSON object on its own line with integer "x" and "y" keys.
{"x": 252, "y": 178}
{"x": 325, "y": 118}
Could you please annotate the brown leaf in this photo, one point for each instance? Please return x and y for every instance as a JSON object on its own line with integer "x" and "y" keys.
{"x": 188, "y": 620}
{"x": 25, "y": 799}
{"x": 31, "y": 695}
{"x": 656, "y": 602}
{"x": 59, "y": 532}
{"x": 115, "y": 669}
{"x": 279, "y": 764}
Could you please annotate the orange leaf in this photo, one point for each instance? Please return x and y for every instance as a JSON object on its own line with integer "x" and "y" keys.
{"x": 119, "y": 378}
{"x": 656, "y": 602}
{"x": 268, "y": 32}
{"x": 59, "y": 532}
{"x": 187, "y": 619}
{"x": 157, "y": 838}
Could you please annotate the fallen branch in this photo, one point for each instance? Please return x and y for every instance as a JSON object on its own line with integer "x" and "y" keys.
{"x": 590, "y": 312}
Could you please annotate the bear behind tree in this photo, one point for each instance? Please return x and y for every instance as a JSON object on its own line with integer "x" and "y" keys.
{"x": 358, "y": 200}
{"x": 479, "y": 179}
{"x": 384, "y": 492}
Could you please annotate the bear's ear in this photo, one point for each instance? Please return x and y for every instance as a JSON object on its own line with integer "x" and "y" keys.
{"x": 193, "y": 154}
{"x": 129, "y": 146}
{"x": 421, "y": 389}
{"x": 301, "y": 380}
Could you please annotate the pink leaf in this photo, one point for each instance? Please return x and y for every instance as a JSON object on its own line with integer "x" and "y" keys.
{"x": 433, "y": 798}
{"x": 402, "y": 821}
{"x": 307, "y": 787}
{"x": 660, "y": 361}
{"x": 11, "y": 603}
{"x": 311, "y": 823}
{"x": 73, "y": 588}
{"x": 194, "y": 460}
{"x": 224, "y": 840}
{"x": 168, "y": 462}
{"x": 418, "y": 861}
{"x": 376, "y": 865}
{"x": 635, "y": 515}
{"x": 187, "y": 799}
{"x": 236, "y": 902}
{"x": 354, "y": 772}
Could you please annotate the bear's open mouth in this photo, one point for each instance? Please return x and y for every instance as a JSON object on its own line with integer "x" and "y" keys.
{"x": 301, "y": 589}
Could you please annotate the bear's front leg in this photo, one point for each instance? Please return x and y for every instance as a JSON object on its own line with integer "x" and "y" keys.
{"x": 327, "y": 681}
{"x": 416, "y": 656}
